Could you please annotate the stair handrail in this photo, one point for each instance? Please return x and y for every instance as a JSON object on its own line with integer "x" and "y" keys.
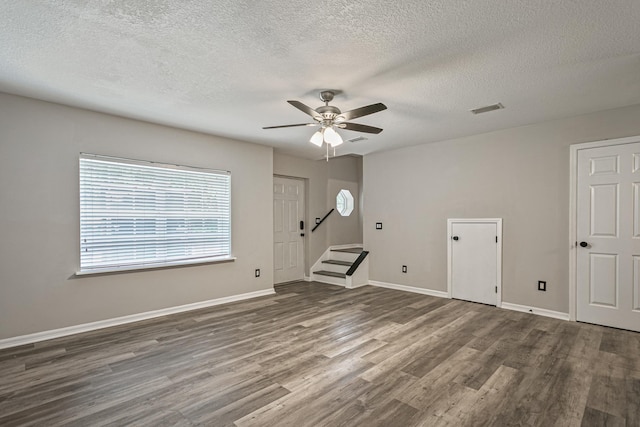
{"x": 356, "y": 263}
{"x": 322, "y": 220}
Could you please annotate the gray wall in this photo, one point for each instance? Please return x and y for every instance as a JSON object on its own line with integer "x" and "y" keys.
{"x": 322, "y": 180}
{"x": 519, "y": 174}
{"x": 39, "y": 217}
{"x": 345, "y": 173}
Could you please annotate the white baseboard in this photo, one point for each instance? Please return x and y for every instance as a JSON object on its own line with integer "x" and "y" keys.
{"x": 86, "y": 327}
{"x": 307, "y": 278}
{"x": 442, "y": 294}
{"x": 433, "y": 293}
{"x": 539, "y": 311}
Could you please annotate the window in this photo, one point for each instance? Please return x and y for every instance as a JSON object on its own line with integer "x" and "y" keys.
{"x": 136, "y": 214}
{"x": 344, "y": 202}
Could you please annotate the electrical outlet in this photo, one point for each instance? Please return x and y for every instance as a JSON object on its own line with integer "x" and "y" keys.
{"x": 378, "y": 226}
{"x": 317, "y": 220}
{"x": 542, "y": 285}
{"x": 404, "y": 268}
{"x": 257, "y": 272}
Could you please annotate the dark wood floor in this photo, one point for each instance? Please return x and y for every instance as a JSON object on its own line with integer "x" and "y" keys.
{"x": 320, "y": 355}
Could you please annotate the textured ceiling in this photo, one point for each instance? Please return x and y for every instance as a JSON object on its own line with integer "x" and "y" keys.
{"x": 227, "y": 67}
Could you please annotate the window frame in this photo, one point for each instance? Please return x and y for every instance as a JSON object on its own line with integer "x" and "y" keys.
{"x": 349, "y": 202}
{"x": 145, "y": 265}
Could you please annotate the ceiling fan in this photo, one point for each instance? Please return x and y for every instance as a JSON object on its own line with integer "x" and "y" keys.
{"x": 330, "y": 118}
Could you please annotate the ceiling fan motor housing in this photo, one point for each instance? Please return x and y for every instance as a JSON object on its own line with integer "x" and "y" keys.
{"x": 328, "y": 112}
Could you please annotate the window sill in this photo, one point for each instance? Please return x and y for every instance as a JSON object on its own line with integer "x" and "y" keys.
{"x": 133, "y": 269}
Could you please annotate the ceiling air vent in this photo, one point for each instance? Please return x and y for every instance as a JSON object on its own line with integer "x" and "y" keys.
{"x": 357, "y": 139}
{"x": 488, "y": 108}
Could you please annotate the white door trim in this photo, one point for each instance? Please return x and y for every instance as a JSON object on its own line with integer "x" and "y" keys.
{"x": 498, "y": 223}
{"x": 573, "y": 211}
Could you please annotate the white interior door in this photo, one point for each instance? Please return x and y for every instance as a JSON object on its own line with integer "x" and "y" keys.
{"x": 474, "y": 265}
{"x": 608, "y": 233}
{"x": 288, "y": 211}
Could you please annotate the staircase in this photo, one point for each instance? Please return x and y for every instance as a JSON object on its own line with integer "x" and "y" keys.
{"x": 344, "y": 266}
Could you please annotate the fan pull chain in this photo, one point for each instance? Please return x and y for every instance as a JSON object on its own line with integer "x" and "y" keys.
{"x": 334, "y": 152}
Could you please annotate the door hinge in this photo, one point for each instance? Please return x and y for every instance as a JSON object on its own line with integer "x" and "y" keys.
{"x": 496, "y": 289}
{"x": 496, "y": 239}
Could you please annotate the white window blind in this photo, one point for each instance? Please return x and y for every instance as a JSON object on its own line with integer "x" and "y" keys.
{"x": 137, "y": 214}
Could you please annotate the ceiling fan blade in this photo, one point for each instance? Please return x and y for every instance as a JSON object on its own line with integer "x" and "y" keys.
{"x": 358, "y": 127}
{"x": 290, "y": 126}
{"x": 306, "y": 109}
{"x": 362, "y": 111}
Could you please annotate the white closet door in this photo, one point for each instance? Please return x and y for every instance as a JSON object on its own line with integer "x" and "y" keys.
{"x": 474, "y": 265}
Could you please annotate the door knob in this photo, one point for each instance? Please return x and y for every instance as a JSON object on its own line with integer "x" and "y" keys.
{"x": 584, "y": 244}
{"x": 456, "y": 238}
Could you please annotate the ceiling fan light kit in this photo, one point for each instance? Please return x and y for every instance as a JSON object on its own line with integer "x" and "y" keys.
{"x": 332, "y": 137}
{"x": 330, "y": 117}
{"x": 317, "y": 138}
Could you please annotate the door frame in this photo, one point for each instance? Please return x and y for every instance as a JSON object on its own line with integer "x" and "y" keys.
{"x": 498, "y": 223}
{"x": 573, "y": 212}
{"x": 307, "y": 230}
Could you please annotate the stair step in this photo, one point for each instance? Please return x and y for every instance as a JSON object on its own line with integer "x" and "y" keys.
{"x": 336, "y": 262}
{"x": 349, "y": 250}
{"x": 330, "y": 273}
